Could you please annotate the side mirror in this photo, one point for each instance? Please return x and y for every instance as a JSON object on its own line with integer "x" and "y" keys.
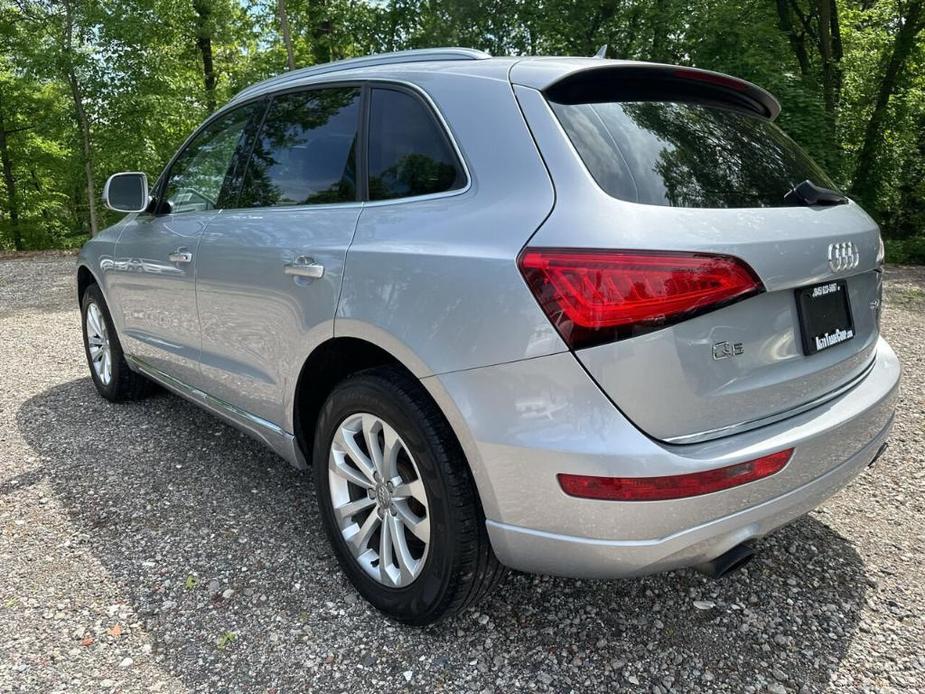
{"x": 126, "y": 192}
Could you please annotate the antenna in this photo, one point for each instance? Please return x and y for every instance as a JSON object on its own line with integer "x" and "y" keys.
{"x": 601, "y": 52}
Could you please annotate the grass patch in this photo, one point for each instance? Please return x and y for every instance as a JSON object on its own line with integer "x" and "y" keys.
{"x": 225, "y": 640}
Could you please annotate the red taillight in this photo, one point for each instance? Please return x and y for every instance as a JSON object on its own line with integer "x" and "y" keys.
{"x": 673, "y": 486}
{"x": 595, "y": 296}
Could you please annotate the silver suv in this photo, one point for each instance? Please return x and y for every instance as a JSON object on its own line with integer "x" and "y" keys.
{"x": 570, "y": 316}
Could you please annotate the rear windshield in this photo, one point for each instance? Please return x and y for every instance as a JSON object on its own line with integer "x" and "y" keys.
{"x": 686, "y": 154}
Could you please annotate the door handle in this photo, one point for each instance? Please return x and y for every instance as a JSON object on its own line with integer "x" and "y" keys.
{"x": 303, "y": 266}
{"x": 181, "y": 255}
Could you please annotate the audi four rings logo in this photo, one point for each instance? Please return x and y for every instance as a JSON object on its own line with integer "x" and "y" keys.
{"x": 843, "y": 256}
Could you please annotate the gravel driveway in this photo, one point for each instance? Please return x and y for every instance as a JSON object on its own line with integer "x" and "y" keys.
{"x": 149, "y": 547}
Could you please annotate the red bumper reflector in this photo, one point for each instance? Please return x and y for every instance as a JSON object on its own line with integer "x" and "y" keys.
{"x": 673, "y": 486}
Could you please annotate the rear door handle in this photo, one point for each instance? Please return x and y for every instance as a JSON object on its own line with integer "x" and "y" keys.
{"x": 181, "y": 255}
{"x": 303, "y": 266}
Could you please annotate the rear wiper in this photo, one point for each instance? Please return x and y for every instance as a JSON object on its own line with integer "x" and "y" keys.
{"x": 808, "y": 193}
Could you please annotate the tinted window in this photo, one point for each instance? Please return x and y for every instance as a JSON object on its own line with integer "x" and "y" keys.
{"x": 306, "y": 150}
{"x": 409, "y": 154}
{"x": 200, "y": 178}
{"x": 686, "y": 154}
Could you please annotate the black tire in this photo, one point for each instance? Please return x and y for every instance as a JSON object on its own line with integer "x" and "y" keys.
{"x": 124, "y": 383}
{"x": 460, "y": 567}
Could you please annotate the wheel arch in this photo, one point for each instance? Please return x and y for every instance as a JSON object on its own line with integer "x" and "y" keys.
{"x": 328, "y": 364}
{"x": 340, "y": 357}
{"x": 85, "y": 278}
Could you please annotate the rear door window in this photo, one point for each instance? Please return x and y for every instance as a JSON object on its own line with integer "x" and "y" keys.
{"x": 682, "y": 154}
{"x": 305, "y": 153}
{"x": 409, "y": 152}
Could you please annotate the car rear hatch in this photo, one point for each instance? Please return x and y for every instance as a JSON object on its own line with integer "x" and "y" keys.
{"x": 701, "y": 293}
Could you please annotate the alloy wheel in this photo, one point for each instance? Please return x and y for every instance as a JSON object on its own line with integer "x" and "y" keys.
{"x": 98, "y": 344}
{"x": 379, "y": 500}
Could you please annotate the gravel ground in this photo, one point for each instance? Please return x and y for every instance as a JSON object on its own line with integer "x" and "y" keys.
{"x": 149, "y": 547}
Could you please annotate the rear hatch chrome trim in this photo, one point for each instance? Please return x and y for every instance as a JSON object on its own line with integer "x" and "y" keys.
{"x": 741, "y": 427}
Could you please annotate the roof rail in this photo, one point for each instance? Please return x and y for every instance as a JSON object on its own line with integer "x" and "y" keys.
{"x": 412, "y": 56}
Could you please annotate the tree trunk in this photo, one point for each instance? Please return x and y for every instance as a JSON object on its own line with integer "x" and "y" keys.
{"x": 592, "y": 31}
{"x": 321, "y": 32}
{"x": 284, "y": 30}
{"x": 393, "y": 26}
{"x": 10, "y": 182}
{"x": 797, "y": 41}
{"x": 837, "y": 50}
{"x": 204, "y": 31}
{"x": 83, "y": 123}
{"x": 829, "y": 69}
{"x": 36, "y": 183}
{"x": 864, "y": 182}
{"x": 659, "y": 32}
{"x": 84, "y": 126}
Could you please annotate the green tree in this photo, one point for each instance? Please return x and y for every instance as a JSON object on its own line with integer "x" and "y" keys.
{"x": 909, "y": 22}
{"x": 89, "y": 87}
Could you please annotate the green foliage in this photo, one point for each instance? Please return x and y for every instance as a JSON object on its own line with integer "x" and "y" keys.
{"x": 910, "y": 251}
{"x": 225, "y": 639}
{"x": 140, "y": 68}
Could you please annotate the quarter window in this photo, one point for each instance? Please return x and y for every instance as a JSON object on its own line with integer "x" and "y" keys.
{"x": 201, "y": 178}
{"x": 305, "y": 153}
{"x": 409, "y": 154}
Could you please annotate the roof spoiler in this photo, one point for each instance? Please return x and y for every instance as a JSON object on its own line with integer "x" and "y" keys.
{"x": 625, "y": 81}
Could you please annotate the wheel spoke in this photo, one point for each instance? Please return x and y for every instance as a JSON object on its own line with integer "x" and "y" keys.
{"x": 392, "y": 447}
{"x": 342, "y": 469}
{"x": 93, "y": 317}
{"x": 385, "y": 553}
{"x": 345, "y": 440}
{"x": 414, "y": 489}
{"x": 359, "y": 538}
{"x": 419, "y": 527}
{"x": 406, "y": 563}
{"x": 351, "y": 508}
{"x": 371, "y": 428}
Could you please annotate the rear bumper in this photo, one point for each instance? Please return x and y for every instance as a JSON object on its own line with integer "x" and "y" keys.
{"x": 523, "y": 423}
{"x": 549, "y": 553}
